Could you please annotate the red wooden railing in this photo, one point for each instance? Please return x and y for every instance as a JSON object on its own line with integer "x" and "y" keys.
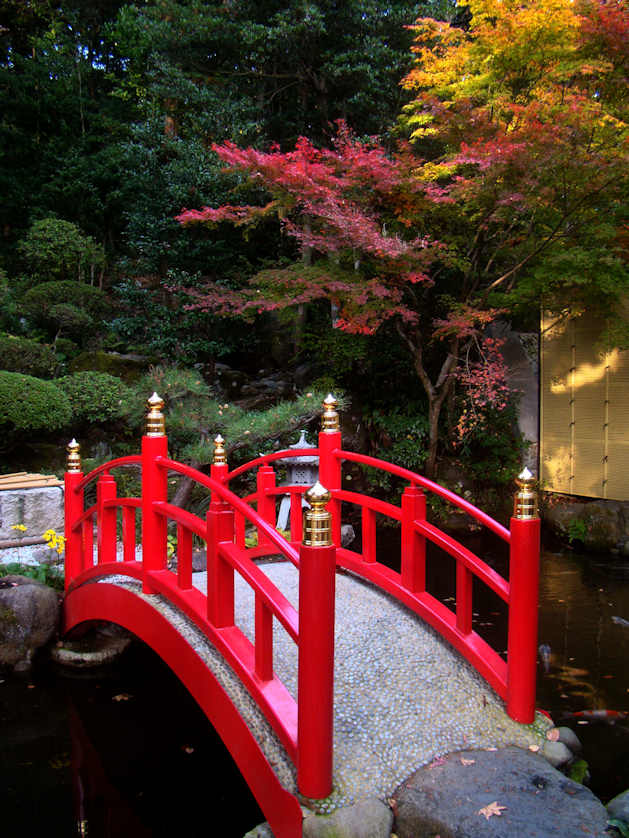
{"x": 304, "y": 726}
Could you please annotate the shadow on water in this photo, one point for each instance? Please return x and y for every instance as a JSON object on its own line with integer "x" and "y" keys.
{"x": 130, "y": 753}
{"x": 127, "y": 753}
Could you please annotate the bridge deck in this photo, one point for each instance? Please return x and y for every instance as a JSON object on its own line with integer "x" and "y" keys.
{"x": 402, "y": 696}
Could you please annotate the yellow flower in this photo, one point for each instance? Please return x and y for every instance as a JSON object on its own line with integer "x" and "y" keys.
{"x": 19, "y": 527}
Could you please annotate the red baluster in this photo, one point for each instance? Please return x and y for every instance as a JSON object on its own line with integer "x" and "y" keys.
{"x": 369, "y": 534}
{"x": 128, "y": 533}
{"x": 154, "y": 489}
{"x": 87, "y": 543}
{"x": 413, "y": 544}
{"x": 106, "y": 519}
{"x": 264, "y": 641}
{"x": 265, "y": 481}
{"x": 315, "y": 690}
{"x": 73, "y": 509}
{"x": 464, "y": 581}
{"x": 329, "y": 464}
{"x": 220, "y": 575}
{"x": 296, "y": 516}
{"x": 184, "y": 557}
{"x": 523, "y": 603}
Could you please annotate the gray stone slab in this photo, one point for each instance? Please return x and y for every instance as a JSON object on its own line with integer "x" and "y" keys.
{"x": 39, "y": 509}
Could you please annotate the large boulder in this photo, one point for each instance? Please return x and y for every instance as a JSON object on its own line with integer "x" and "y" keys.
{"x": 600, "y": 526}
{"x": 492, "y": 794}
{"x": 29, "y": 613}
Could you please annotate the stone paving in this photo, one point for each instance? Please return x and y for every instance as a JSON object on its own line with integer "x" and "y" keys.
{"x": 403, "y": 697}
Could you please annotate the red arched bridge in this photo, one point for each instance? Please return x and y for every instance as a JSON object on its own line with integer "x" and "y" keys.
{"x": 303, "y": 724}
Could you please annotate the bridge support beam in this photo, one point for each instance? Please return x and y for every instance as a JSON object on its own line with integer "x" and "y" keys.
{"x": 154, "y": 490}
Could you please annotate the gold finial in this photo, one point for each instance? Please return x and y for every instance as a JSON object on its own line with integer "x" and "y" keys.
{"x": 317, "y": 520}
{"x": 219, "y": 451}
{"x": 155, "y": 425}
{"x": 330, "y": 418}
{"x": 74, "y": 457}
{"x": 525, "y": 501}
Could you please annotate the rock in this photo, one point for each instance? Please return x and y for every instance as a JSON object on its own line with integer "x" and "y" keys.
{"x": 538, "y": 801}
{"x": 618, "y": 807}
{"x": 263, "y": 830}
{"x": 367, "y": 819}
{"x": 98, "y": 648}
{"x": 39, "y": 509}
{"x": 128, "y": 367}
{"x": 199, "y": 561}
{"x": 347, "y": 535}
{"x": 29, "y": 613}
{"x": 556, "y": 753}
{"x": 570, "y": 739}
{"x": 597, "y": 525}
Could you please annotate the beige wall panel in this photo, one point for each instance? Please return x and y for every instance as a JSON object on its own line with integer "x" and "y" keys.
{"x": 583, "y": 385}
{"x": 556, "y": 414}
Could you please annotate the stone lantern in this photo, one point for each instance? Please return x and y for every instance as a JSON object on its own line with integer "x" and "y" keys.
{"x": 300, "y": 471}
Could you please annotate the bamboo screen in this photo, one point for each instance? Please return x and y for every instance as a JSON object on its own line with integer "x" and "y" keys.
{"x": 584, "y": 433}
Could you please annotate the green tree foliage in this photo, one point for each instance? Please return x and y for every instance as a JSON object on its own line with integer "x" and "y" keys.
{"x": 65, "y": 306}
{"x": 54, "y": 249}
{"x": 20, "y": 354}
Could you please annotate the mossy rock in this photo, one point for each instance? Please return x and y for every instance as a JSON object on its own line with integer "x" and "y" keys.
{"x": 127, "y": 367}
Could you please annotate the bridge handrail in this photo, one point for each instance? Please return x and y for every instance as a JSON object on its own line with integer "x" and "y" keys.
{"x": 425, "y": 483}
{"x": 273, "y": 598}
{"x": 131, "y": 460}
{"x": 264, "y": 459}
{"x": 243, "y": 508}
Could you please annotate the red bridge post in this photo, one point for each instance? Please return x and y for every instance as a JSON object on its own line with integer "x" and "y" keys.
{"x": 523, "y": 602}
{"x": 329, "y": 464}
{"x": 315, "y": 680}
{"x": 154, "y": 489}
{"x": 220, "y": 527}
{"x": 73, "y": 511}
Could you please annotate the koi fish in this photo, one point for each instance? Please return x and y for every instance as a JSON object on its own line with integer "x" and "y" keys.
{"x": 620, "y": 621}
{"x": 545, "y": 653}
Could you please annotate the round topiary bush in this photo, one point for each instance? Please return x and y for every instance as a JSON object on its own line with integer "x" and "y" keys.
{"x": 40, "y": 303}
{"x": 28, "y": 403}
{"x": 95, "y": 396}
{"x": 18, "y": 354}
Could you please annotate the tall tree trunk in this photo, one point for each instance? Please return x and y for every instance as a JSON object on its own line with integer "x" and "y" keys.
{"x": 436, "y": 392}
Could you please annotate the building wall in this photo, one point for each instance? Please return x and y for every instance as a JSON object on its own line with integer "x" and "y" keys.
{"x": 584, "y": 439}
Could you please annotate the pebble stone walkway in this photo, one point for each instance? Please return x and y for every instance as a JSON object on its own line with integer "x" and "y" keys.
{"x": 402, "y": 696}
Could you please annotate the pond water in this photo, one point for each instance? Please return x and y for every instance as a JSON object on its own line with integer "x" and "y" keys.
{"x": 126, "y": 752}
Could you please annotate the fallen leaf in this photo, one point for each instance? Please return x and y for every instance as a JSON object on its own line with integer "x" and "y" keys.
{"x": 122, "y": 697}
{"x": 188, "y": 749}
{"x": 437, "y": 762}
{"x": 490, "y": 749}
{"x": 491, "y": 809}
{"x": 582, "y": 722}
{"x": 31, "y": 687}
{"x": 534, "y": 748}
{"x": 553, "y": 734}
{"x": 467, "y": 761}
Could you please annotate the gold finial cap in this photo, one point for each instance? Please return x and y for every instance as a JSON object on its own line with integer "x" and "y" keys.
{"x": 525, "y": 500}
{"x": 330, "y": 418}
{"x": 219, "y": 451}
{"x": 74, "y": 457}
{"x": 155, "y": 425}
{"x": 317, "y": 520}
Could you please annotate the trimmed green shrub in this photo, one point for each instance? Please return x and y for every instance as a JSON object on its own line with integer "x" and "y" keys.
{"x": 28, "y": 403}
{"x": 18, "y": 354}
{"x": 38, "y": 301}
{"x": 95, "y": 396}
{"x": 70, "y": 319}
{"x": 54, "y": 249}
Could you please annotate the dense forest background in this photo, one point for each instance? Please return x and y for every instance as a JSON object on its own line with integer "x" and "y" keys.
{"x": 117, "y": 116}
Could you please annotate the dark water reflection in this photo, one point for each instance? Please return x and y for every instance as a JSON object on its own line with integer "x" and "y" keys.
{"x": 149, "y": 764}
